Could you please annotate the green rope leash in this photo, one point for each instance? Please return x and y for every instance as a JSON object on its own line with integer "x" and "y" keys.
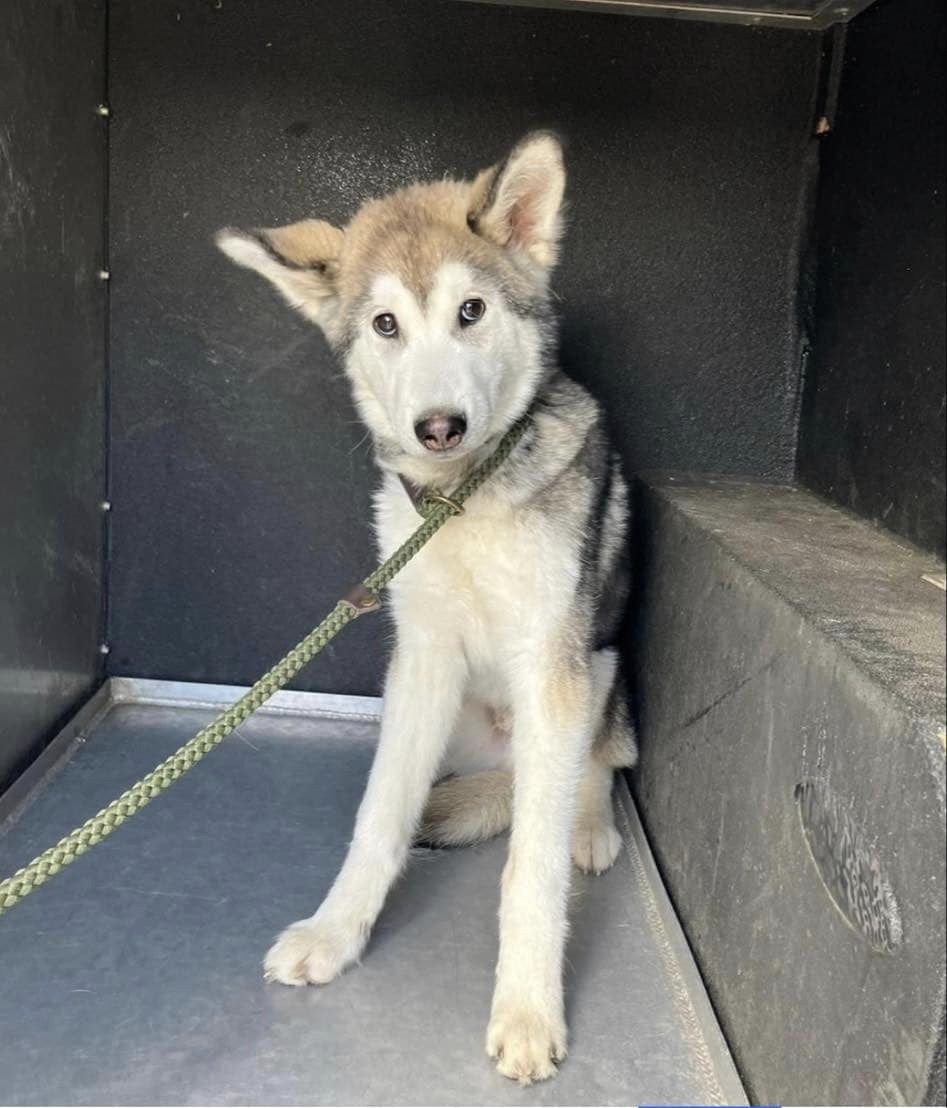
{"x": 436, "y": 509}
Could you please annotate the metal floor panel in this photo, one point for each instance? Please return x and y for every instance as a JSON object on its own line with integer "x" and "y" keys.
{"x": 134, "y": 977}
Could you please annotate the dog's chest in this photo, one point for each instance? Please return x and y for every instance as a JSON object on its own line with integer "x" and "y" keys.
{"x": 493, "y": 576}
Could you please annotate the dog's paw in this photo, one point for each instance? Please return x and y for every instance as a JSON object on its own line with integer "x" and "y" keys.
{"x": 526, "y": 1044}
{"x": 309, "y": 952}
{"x": 596, "y": 847}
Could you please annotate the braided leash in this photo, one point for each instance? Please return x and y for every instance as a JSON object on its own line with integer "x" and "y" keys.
{"x": 436, "y": 509}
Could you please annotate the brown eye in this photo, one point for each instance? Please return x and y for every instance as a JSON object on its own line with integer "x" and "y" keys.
{"x": 385, "y": 325}
{"x": 471, "y": 311}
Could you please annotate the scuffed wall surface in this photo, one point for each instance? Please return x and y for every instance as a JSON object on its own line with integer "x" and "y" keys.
{"x": 52, "y": 365}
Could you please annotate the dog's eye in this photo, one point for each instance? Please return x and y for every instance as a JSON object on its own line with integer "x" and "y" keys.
{"x": 471, "y": 311}
{"x": 385, "y": 325}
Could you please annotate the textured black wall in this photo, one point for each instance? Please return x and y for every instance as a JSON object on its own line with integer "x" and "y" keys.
{"x": 52, "y": 365}
{"x": 873, "y": 423}
{"x": 241, "y": 481}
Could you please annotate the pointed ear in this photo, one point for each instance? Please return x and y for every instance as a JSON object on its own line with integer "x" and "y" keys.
{"x": 518, "y": 204}
{"x": 301, "y": 260}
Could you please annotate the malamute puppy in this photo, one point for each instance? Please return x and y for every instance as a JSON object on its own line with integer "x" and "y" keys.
{"x": 502, "y": 704}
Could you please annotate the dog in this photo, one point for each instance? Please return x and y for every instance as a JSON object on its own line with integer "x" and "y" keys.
{"x": 437, "y": 301}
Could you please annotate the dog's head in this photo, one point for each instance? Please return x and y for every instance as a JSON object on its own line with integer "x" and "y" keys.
{"x": 436, "y": 298}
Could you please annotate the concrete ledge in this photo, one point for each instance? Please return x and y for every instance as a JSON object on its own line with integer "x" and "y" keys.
{"x": 792, "y": 702}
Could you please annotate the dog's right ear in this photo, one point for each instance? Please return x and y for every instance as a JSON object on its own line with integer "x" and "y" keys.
{"x": 301, "y": 260}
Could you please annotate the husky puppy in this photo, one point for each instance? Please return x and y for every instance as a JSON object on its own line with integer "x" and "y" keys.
{"x": 503, "y": 707}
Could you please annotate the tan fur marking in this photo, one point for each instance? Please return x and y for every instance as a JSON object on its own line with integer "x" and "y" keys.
{"x": 309, "y": 242}
{"x": 411, "y": 234}
{"x": 568, "y": 688}
{"x": 468, "y": 809}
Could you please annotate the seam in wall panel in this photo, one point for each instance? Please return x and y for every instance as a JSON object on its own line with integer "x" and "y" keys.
{"x": 106, "y": 617}
{"x": 803, "y": 259}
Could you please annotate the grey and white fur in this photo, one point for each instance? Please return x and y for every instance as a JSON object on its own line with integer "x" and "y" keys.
{"x": 503, "y": 704}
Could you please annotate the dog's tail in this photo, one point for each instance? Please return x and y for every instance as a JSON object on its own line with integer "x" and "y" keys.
{"x": 465, "y": 810}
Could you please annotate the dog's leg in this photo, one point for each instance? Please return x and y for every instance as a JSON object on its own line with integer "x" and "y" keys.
{"x": 596, "y": 842}
{"x": 553, "y": 718}
{"x": 422, "y": 697}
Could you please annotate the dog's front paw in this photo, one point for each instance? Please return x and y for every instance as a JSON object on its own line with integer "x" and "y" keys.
{"x": 526, "y": 1043}
{"x": 595, "y": 847}
{"x": 310, "y": 952}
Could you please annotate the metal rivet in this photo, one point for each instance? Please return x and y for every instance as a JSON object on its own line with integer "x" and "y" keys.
{"x": 103, "y": 109}
{"x": 106, "y": 505}
{"x": 104, "y": 275}
{"x": 104, "y": 648}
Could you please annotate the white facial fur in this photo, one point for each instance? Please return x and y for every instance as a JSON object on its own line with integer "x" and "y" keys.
{"x": 485, "y": 371}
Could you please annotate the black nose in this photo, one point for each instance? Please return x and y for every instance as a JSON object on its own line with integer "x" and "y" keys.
{"x": 441, "y": 432}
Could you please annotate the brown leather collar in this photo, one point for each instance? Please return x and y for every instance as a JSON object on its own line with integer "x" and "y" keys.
{"x": 425, "y": 499}
{"x": 415, "y": 493}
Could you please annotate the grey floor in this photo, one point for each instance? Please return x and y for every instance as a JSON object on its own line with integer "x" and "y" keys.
{"x": 134, "y": 977}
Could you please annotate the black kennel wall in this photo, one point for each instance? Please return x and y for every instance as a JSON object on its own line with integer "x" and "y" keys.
{"x": 678, "y": 135}
{"x": 872, "y": 426}
{"x": 53, "y": 340}
{"x": 752, "y": 281}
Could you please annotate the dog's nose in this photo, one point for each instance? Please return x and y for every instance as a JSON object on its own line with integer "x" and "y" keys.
{"x": 440, "y": 431}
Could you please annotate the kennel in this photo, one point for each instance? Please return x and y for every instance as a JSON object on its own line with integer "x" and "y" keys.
{"x": 753, "y": 283}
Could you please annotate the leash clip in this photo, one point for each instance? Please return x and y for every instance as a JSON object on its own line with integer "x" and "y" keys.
{"x": 422, "y": 498}
{"x": 439, "y": 498}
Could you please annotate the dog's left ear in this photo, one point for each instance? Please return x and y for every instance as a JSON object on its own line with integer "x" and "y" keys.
{"x": 518, "y": 204}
